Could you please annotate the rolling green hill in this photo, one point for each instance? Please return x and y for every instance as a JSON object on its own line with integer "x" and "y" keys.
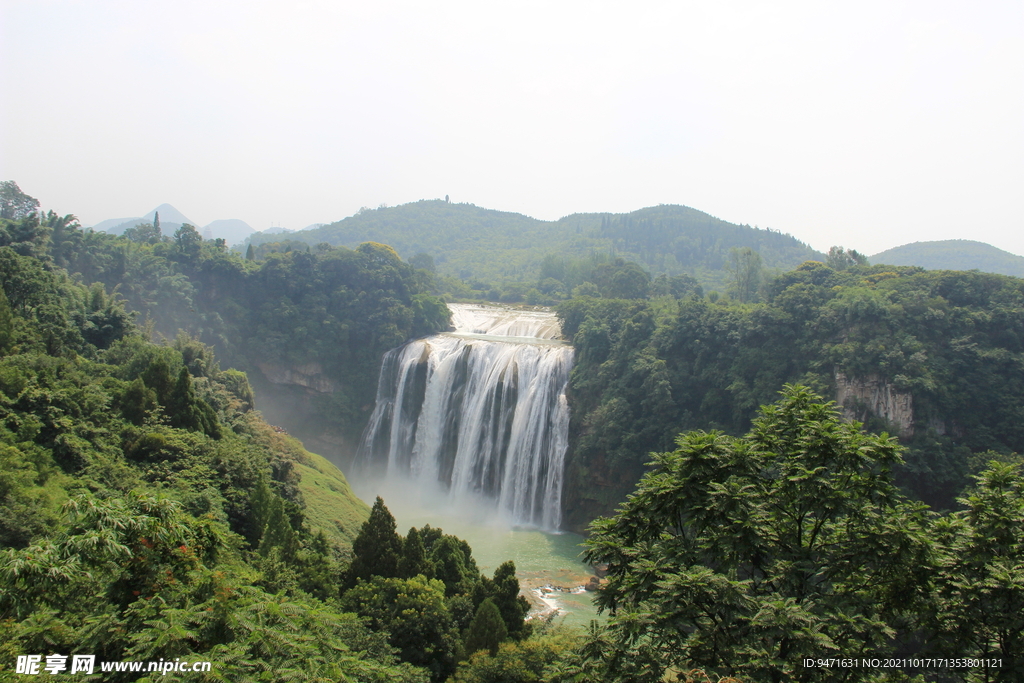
{"x": 470, "y": 242}
{"x": 954, "y": 255}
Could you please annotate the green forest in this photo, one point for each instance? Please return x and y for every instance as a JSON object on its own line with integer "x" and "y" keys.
{"x": 496, "y": 255}
{"x": 948, "y": 346}
{"x": 748, "y": 526}
{"x": 148, "y": 513}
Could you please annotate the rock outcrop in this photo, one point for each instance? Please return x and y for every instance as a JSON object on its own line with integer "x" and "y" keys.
{"x": 872, "y": 395}
{"x": 310, "y": 375}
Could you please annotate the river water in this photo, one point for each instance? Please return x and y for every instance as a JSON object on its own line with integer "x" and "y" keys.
{"x": 543, "y": 558}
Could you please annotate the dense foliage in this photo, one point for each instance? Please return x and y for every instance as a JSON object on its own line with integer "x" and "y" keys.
{"x": 749, "y": 555}
{"x": 486, "y": 254}
{"x": 330, "y": 311}
{"x": 426, "y": 592}
{"x": 949, "y": 345}
{"x": 147, "y": 512}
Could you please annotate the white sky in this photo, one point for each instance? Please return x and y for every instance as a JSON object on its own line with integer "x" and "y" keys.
{"x": 868, "y": 124}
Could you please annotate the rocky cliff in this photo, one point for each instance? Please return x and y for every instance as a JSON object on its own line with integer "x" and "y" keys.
{"x": 874, "y": 396}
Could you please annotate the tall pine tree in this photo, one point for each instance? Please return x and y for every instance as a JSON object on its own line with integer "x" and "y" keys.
{"x": 378, "y": 547}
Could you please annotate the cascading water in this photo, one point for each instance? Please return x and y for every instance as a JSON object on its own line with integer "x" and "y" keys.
{"x": 481, "y": 410}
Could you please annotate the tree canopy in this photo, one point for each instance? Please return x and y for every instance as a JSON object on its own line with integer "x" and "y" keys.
{"x": 746, "y": 556}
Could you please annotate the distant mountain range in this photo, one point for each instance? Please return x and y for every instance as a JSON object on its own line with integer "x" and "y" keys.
{"x": 953, "y": 255}
{"x": 231, "y": 230}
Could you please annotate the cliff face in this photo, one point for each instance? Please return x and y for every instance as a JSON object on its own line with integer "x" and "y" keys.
{"x": 872, "y": 395}
{"x": 298, "y": 397}
{"x": 310, "y": 375}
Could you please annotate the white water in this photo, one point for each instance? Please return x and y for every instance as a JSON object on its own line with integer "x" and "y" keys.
{"x": 481, "y": 412}
{"x": 498, "y": 321}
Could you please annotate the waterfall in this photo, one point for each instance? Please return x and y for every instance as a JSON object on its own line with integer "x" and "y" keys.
{"x": 481, "y": 411}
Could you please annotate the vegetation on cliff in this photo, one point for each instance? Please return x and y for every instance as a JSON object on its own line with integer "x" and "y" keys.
{"x": 951, "y": 343}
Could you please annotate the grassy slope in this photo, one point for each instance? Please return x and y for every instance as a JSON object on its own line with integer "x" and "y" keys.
{"x": 331, "y": 506}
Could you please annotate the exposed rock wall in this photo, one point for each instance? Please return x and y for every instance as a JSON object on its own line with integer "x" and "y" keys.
{"x": 296, "y": 396}
{"x": 310, "y": 376}
{"x": 872, "y": 395}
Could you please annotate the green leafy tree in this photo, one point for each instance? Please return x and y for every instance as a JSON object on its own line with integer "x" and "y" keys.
{"x": 188, "y": 411}
{"x": 503, "y": 590}
{"x": 746, "y": 555}
{"x": 143, "y": 233}
{"x": 745, "y": 266}
{"x": 414, "y": 558}
{"x": 487, "y": 630}
{"x": 6, "y": 323}
{"x": 452, "y": 562}
{"x": 15, "y": 204}
{"x": 980, "y": 583}
{"x": 422, "y": 261}
{"x": 138, "y": 402}
{"x": 528, "y": 661}
{"x": 414, "y": 613}
{"x": 839, "y": 258}
{"x": 188, "y": 241}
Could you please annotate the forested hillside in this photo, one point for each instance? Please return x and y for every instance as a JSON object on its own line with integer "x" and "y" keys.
{"x": 310, "y": 324}
{"x": 936, "y": 357}
{"x": 149, "y": 514}
{"x": 504, "y": 255}
{"x": 954, "y": 255}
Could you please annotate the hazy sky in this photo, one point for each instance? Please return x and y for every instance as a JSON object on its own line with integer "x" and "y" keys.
{"x": 868, "y": 124}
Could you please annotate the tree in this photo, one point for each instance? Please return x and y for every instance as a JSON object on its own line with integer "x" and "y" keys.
{"x": 503, "y": 590}
{"x": 188, "y": 411}
{"x": 744, "y": 555}
{"x": 414, "y": 558}
{"x": 745, "y": 266}
{"x": 980, "y": 586}
{"x": 487, "y": 630}
{"x": 422, "y": 261}
{"x": 188, "y": 240}
{"x": 414, "y": 613}
{"x": 15, "y": 204}
{"x": 839, "y": 258}
{"x": 6, "y": 323}
{"x": 143, "y": 233}
{"x": 250, "y": 253}
{"x": 452, "y": 561}
{"x": 377, "y": 548}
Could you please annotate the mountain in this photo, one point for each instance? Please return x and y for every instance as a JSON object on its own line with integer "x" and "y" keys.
{"x": 231, "y": 230}
{"x": 953, "y": 255}
{"x": 170, "y": 220}
{"x": 105, "y": 226}
{"x": 168, "y": 215}
{"x": 470, "y": 242}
